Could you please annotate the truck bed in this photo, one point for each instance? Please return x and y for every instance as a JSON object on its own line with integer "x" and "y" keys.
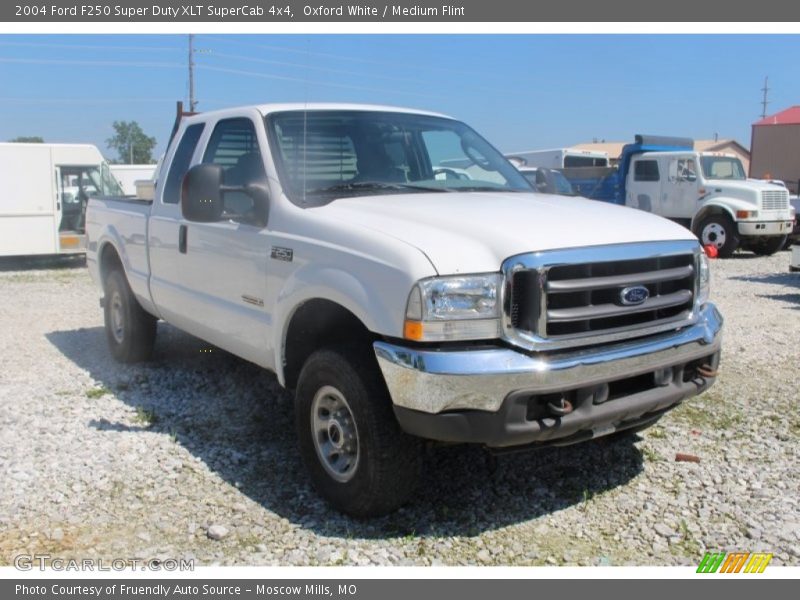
{"x": 124, "y": 219}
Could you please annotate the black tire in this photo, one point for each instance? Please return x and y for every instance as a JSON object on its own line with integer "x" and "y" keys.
{"x": 768, "y": 246}
{"x": 130, "y": 330}
{"x": 719, "y": 231}
{"x": 377, "y": 471}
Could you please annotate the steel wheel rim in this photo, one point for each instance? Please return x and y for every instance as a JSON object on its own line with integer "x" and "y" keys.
{"x": 117, "y": 318}
{"x": 714, "y": 234}
{"x": 335, "y": 434}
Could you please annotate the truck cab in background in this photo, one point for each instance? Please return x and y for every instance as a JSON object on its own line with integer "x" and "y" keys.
{"x": 707, "y": 192}
{"x": 47, "y": 187}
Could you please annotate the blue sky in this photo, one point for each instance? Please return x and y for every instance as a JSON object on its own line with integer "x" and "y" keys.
{"x": 520, "y": 91}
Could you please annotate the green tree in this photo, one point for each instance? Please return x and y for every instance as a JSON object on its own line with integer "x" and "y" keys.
{"x": 133, "y": 146}
{"x": 28, "y": 139}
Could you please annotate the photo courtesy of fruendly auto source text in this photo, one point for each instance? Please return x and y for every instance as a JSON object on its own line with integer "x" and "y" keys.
{"x": 393, "y": 299}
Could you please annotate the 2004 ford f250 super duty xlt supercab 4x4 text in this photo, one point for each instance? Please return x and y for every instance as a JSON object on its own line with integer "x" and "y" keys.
{"x": 327, "y": 244}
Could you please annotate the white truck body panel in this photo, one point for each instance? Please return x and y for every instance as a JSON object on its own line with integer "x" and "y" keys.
{"x": 559, "y": 158}
{"x": 31, "y": 210}
{"x": 128, "y": 175}
{"x": 475, "y": 240}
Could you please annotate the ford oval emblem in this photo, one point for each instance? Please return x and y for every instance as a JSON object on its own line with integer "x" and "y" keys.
{"x": 636, "y": 294}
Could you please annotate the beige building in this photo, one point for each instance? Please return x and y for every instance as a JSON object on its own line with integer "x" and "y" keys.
{"x": 729, "y": 146}
{"x": 775, "y": 147}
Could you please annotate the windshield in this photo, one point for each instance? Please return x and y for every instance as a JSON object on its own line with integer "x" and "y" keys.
{"x": 722, "y": 167}
{"x": 323, "y": 155}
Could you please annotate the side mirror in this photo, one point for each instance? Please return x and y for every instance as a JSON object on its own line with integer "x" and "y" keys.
{"x": 201, "y": 194}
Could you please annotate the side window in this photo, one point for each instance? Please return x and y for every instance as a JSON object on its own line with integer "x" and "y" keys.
{"x": 686, "y": 169}
{"x": 234, "y": 146}
{"x": 180, "y": 163}
{"x": 645, "y": 170}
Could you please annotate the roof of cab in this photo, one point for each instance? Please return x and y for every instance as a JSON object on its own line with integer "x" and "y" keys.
{"x": 266, "y": 109}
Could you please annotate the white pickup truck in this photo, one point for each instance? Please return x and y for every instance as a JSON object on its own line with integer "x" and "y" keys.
{"x": 322, "y": 242}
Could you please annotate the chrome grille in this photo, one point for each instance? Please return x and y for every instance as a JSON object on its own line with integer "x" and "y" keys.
{"x": 586, "y": 298}
{"x": 557, "y": 300}
{"x": 775, "y": 199}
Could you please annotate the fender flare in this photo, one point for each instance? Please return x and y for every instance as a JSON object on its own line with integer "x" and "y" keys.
{"x": 333, "y": 284}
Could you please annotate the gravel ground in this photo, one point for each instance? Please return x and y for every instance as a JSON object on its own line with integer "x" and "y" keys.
{"x": 193, "y": 455}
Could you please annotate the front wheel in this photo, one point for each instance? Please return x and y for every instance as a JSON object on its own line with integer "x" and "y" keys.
{"x": 719, "y": 231}
{"x": 130, "y": 330}
{"x": 357, "y": 456}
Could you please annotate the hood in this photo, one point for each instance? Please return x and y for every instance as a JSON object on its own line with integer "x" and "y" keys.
{"x": 473, "y": 232}
{"x": 748, "y": 189}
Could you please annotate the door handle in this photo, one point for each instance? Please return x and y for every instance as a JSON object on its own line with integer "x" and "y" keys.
{"x": 182, "y": 239}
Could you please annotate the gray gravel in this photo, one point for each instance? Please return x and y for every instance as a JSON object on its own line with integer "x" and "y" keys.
{"x": 193, "y": 455}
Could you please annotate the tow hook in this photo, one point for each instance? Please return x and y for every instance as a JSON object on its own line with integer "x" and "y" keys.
{"x": 707, "y": 371}
{"x": 560, "y": 407}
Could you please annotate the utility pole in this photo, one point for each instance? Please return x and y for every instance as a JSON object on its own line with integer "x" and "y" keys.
{"x": 192, "y": 102}
{"x": 764, "y": 102}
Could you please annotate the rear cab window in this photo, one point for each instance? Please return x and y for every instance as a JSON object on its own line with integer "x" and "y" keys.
{"x": 645, "y": 170}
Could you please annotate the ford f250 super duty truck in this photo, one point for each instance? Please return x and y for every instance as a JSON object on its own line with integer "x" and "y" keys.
{"x": 708, "y": 192}
{"x": 323, "y": 243}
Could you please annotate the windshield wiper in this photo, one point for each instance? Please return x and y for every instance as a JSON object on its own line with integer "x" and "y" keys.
{"x": 484, "y": 188}
{"x": 358, "y": 186}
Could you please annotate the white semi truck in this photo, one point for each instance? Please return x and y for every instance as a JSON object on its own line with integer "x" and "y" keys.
{"x": 46, "y": 188}
{"x": 327, "y": 243}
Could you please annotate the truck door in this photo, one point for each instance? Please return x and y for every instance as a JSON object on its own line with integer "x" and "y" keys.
{"x": 220, "y": 268}
{"x": 644, "y": 185}
{"x": 679, "y": 194}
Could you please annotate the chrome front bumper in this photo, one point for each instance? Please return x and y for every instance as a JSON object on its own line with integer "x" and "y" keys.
{"x": 434, "y": 381}
{"x": 504, "y": 399}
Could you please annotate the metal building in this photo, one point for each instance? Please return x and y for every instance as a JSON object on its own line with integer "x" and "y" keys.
{"x": 775, "y": 147}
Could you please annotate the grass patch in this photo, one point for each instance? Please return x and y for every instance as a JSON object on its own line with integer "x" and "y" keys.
{"x": 97, "y": 392}
{"x": 709, "y": 412}
{"x": 650, "y": 454}
{"x": 688, "y": 546}
{"x": 145, "y": 416}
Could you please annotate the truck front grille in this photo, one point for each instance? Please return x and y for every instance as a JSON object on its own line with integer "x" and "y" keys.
{"x": 775, "y": 199}
{"x": 565, "y": 301}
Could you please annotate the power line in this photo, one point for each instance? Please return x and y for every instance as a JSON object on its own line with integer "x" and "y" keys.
{"x": 93, "y": 100}
{"x": 91, "y": 63}
{"x": 89, "y": 46}
{"x": 415, "y": 66}
{"x": 305, "y": 80}
{"x": 280, "y": 63}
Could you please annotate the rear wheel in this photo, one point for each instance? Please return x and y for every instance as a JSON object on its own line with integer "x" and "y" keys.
{"x": 357, "y": 456}
{"x": 719, "y": 231}
{"x": 769, "y": 246}
{"x": 130, "y": 330}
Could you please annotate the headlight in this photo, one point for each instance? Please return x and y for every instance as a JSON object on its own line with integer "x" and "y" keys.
{"x": 454, "y": 308}
{"x": 703, "y": 279}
